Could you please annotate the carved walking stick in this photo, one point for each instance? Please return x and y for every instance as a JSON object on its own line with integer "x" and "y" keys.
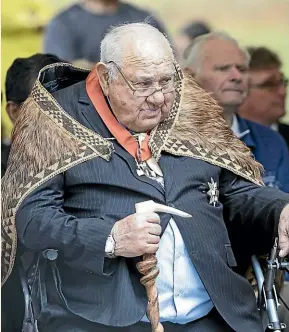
{"x": 148, "y": 267}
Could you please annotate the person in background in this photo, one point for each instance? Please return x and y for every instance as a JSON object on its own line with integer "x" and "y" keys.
{"x": 220, "y": 66}
{"x": 266, "y": 101}
{"x": 20, "y": 79}
{"x": 188, "y": 33}
{"x": 76, "y": 33}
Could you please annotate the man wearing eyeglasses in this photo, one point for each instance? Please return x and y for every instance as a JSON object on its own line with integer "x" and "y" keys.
{"x": 88, "y": 148}
{"x": 266, "y": 100}
{"x": 221, "y": 66}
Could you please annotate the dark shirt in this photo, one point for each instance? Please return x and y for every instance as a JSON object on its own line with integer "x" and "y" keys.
{"x": 77, "y": 33}
{"x": 270, "y": 150}
{"x": 283, "y": 130}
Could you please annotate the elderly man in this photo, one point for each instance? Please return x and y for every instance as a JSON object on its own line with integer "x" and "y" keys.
{"x": 220, "y": 66}
{"x": 110, "y": 139}
{"x": 265, "y": 103}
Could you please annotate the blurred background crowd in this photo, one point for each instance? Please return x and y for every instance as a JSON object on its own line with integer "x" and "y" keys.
{"x": 70, "y": 31}
{"x": 252, "y": 23}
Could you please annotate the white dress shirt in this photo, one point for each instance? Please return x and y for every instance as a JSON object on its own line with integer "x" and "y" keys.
{"x": 182, "y": 295}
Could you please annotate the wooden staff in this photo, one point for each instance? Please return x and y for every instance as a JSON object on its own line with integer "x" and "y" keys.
{"x": 148, "y": 267}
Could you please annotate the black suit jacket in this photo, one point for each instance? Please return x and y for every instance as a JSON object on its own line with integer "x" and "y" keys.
{"x": 75, "y": 211}
{"x": 283, "y": 130}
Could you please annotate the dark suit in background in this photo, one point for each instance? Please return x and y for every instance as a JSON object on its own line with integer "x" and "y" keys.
{"x": 283, "y": 130}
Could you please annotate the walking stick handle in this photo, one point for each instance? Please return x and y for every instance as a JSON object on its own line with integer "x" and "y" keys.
{"x": 148, "y": 267}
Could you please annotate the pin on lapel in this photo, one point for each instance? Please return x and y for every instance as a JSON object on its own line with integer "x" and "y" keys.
{"x": 213, "y": 192}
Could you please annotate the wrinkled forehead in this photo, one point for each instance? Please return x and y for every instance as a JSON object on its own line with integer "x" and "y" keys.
{"x": 151, "y": 60}
{"x": 223, "y": 51}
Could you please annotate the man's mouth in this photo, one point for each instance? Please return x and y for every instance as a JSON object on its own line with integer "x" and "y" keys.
{"x": 234, "y": 90}
{"x": 151, "y": 112}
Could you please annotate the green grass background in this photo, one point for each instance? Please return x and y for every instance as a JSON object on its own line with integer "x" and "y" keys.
{"x": 255, "y": 22}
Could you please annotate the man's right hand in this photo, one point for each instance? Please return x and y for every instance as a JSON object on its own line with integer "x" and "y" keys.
{"x": 137, "y": 234}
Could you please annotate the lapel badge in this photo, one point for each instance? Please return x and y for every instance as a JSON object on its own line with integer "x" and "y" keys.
{"x": 213, "y": 192}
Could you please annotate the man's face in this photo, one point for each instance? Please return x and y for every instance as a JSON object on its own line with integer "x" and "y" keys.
{"x": 267, "y": 95}
{"x": 138, "y": 113}
{"x": 224, "y": 71}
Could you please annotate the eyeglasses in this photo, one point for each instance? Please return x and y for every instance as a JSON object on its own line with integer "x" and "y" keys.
{"x": 145, "y": 89}
{"x": 271, "y": 85}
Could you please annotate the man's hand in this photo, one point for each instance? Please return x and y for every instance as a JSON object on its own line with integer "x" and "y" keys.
{"x": 137, "y": 234}
{"x": 283, "y": 231}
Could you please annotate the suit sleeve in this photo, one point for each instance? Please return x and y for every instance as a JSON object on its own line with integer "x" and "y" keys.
{"x": 42, "y": 224}
{"x": 253, "y": 206}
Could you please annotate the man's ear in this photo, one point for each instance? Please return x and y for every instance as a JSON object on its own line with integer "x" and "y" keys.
{"x": 102, "y": 73}
{"x": 12, "y": 110}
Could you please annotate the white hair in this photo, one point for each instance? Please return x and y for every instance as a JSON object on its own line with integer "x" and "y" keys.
{"x": 141, "y": 35}
{"x": 193, "y": 55}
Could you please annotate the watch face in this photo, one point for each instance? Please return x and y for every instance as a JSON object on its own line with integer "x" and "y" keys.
{"x": 109, "y": 246}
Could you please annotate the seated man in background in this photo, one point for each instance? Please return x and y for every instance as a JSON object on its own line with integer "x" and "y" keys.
{"x": 75, "y": 33}
{"x": 220, "y": 65}
{"x": 20, "y": 79}
{"x": 265, "y": 103}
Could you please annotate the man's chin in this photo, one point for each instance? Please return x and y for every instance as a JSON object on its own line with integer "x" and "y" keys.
{"x": 147, "y": 125}
{"x": 279, "y": 113}
{"x": 234, "y": 103}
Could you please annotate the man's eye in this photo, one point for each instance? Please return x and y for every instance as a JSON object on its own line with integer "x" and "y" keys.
{"x": 165, "y": 81}
{"x": 223, "y": 68}
{"x": 242, "y": 69}
{"x": 142, "y": 85}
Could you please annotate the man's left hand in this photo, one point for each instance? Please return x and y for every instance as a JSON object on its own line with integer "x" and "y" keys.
{"x": 283, "y": 231}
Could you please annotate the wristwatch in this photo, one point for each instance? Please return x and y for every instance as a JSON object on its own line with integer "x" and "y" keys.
{"x": 110, "y": 247}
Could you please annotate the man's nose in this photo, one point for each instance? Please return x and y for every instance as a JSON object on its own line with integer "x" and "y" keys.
{"x": 156, "y": 98}
{"x": 236, "y": 75}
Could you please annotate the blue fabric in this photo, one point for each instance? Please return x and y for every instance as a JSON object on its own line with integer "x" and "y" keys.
{"x": 269, "y": 149}
{"x": 76, "y": 33}
{"x": 182, "y": 295}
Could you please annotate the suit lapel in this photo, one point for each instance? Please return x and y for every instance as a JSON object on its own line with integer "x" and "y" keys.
{"x": 166, "y": 163}
{"x": 132, "y": 165}
{"x": 90, "y": 114}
